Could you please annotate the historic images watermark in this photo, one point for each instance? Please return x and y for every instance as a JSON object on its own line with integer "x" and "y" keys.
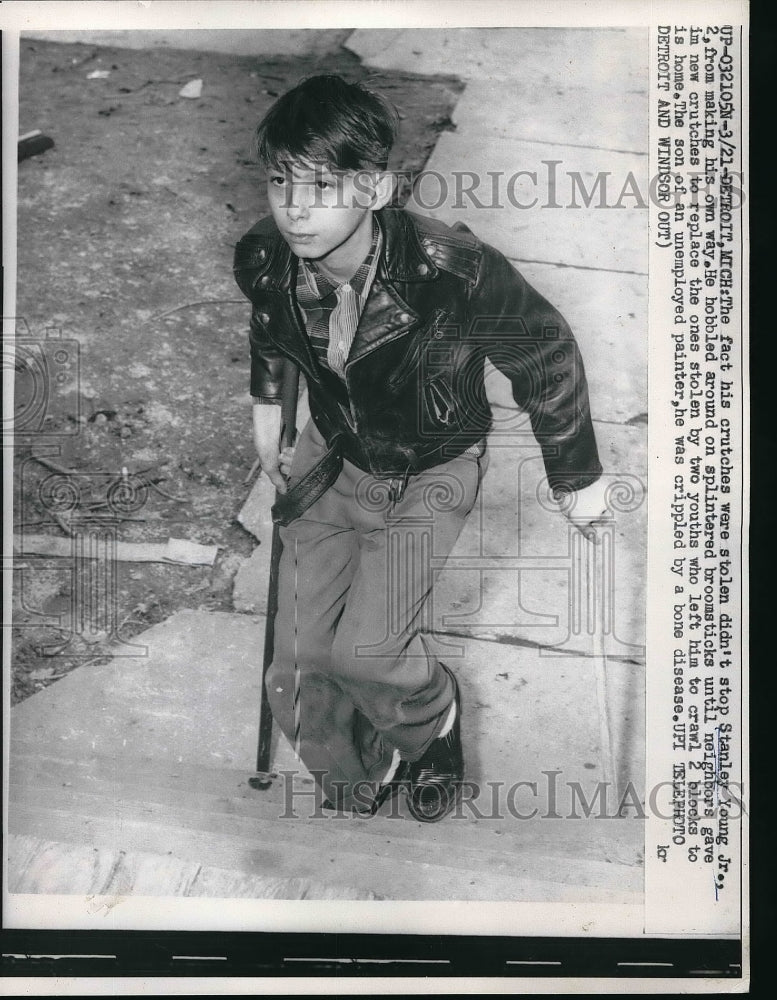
{"x": 545, "y": 184}
{"x": 691, "y": 805}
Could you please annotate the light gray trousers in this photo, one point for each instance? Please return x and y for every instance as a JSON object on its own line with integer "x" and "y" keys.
{"x": 355, "y": 576}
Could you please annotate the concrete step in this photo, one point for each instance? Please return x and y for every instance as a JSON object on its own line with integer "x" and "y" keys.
{"x": 228, "y": 791}
{"x": 178, "y": 727}
{"x": 194, "y": 695}
{"x": 48, "y": 866}
{"x": 189, "y": 692}
{"x": 239, "y": 844}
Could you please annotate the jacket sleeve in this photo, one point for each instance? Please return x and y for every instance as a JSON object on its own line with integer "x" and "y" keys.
{"x": 266, "y": 381}
{"x": 530, "y": 342}
{"x": 266, "y": 384}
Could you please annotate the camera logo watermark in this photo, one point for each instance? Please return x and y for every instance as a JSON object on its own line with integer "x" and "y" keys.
{"x": 84, "y": 507}
{"x": 44, "y": 368}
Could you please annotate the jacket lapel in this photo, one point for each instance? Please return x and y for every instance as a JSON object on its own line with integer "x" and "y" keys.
{"x": 386, "y": 315}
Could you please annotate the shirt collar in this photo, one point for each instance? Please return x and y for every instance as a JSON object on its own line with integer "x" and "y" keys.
{"x": 321, "y": 286}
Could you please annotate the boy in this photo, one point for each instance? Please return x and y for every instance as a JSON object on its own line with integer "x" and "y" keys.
{"x": 390, "y": 317}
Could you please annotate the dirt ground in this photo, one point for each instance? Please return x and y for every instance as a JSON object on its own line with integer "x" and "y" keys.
{"x": 126, "y": 230}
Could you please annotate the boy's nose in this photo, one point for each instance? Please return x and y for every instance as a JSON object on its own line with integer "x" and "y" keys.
{"x": 298, "y": 206}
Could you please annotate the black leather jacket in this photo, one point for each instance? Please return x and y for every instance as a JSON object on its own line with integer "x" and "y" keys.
{"x": 441, "y": 303}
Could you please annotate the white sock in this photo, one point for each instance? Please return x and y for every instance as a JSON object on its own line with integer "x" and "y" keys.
{"x": 395, "y": 760}
{"x": 449, "y": 721}
{"x": 392, "y": 768}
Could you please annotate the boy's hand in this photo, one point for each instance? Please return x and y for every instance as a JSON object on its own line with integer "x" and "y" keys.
{"x": 286, "y": 458}
{"x": 267, "y": 434}
{"x": 588, "y": 509}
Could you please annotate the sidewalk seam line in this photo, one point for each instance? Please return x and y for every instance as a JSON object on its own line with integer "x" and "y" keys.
{"x": 571, "y": 145}
{"x": 509, "y": 640}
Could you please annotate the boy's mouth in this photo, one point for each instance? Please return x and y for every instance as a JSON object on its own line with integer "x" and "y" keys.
{"x": 300, "y": 237}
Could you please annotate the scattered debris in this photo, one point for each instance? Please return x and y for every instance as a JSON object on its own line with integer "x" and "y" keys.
{"x": 254, "y": 469}
{"x": 175, "y": 550}
{"x": 102, "y": 416}
{"x": 48, "y": 464}
{"x": 136, "y": 485}
{"x": 62, "y": 523}
{"x": 191, "y": 305}
{"x": 222, "y": 579}
{"x": 164, "y": 493}
{"x": 32, "y": 143}
{"x": 181, "y": 550}
{"x": 444, "y": 123}
{"x": 192, "y": 89}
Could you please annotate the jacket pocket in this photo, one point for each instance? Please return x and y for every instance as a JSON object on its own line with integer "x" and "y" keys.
{"x": 439, "y": 400}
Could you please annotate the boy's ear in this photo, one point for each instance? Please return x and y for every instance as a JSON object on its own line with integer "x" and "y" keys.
{"x": 385, "y": 182}
{"x": 374, "y": 188}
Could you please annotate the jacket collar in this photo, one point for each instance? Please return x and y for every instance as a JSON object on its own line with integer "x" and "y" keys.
{"x": 403, "y": 257}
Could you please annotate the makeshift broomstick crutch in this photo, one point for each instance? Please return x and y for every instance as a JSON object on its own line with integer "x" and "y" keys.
{"x": 288, "y": 434}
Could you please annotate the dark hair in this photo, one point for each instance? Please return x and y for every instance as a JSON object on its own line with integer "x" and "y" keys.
{"x": 324, "y": 119}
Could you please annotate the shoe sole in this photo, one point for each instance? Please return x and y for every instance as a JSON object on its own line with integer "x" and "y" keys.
{"x": 448, "y": 800}
{"x": 451, "y": 792}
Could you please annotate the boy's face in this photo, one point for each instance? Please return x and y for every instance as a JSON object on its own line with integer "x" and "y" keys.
{"x": 323, "y": 214}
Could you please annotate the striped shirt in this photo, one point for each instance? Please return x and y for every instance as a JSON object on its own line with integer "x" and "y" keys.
{"x": 332, "y": 312}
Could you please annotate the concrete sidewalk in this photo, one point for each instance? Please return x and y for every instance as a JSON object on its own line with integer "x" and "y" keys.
{"x": 556, "y": 121}
{"x": 156, "y": 750}
{"x": 152, "y": 756}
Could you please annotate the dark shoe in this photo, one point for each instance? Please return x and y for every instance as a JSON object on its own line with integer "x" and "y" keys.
{"x": 391, "y": 788}
{"x": 435, "y": 779}
{"x": 330, "y": 806}
{"x": 384, "y": 794}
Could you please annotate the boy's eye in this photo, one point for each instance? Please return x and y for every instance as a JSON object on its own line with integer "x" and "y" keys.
{"x": 324, "y": 184}
{"x": 278, "y": 180}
